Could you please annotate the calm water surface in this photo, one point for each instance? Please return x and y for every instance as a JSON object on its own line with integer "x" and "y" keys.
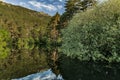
{"x": 34, "y": 65}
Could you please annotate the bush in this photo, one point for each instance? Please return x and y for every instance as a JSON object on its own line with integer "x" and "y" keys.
{"x": 94, "y": 34}
{"x": 4, "y": 40}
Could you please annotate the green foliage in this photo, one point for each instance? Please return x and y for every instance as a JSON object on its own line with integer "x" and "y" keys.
{"x": 72, "y": 7}
{"x": 24, "y": 37}
{"x": 94, "y": 34}
{"x": 22, "y": 63}
{"x": 23, "y": 29}
{"x": 93, "y": 70}
{"x": 53, "y": 29}
{"x": 4, "y": 39}
{"x": 26, "y": 27}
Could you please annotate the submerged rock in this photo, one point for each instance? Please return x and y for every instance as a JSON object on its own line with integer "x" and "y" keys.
{"x": 46, "y": 75}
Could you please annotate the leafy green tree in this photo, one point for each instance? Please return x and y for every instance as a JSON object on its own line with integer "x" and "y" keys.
{"x": 94, "y": 34}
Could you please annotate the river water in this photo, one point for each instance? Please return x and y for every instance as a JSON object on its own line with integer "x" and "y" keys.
{"x": 46, "y": 75}
{"x": 73, "y": 69}
{"x": 34, "y": 65}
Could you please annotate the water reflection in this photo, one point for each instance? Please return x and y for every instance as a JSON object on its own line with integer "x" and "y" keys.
{"x": 23, "y": 62}
{"x": 73, "y": 69}
{"x": 46, "y": 75}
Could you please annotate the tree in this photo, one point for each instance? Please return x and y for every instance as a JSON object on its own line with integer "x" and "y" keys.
{"x": 84, "y": 4}
{"x": 74, "y": 6}
{"x": 53, "y": 32}
{"x": 53, "y": 28}
{"x": 94, "y": 34}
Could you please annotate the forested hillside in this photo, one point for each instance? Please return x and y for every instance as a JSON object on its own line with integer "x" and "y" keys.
{"x": 20, "y": 27}
{"x": 22, "y": 33}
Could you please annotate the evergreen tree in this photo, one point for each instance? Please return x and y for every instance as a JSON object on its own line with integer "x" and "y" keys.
{"x": 74, "y": 6}
{"x": 53, "y": 27}
{"x": 54, "y": 37}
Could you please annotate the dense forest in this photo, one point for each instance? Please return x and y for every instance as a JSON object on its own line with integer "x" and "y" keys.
{"x": 20, "y": 27}
{"x": 87, "y": 31}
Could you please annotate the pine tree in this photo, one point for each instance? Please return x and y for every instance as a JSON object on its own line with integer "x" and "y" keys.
{"x": 54, "y": 36}
{"x": 53, "y": 27}
{"x": 74, "y": 6}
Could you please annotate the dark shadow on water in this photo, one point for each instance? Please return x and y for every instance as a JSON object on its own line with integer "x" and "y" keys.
{"x": 73, "y": 69}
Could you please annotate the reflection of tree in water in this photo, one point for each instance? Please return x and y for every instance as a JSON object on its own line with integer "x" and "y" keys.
{"x": 23, "y": 62}
{"x": 73, "y": 69}
{"x": 53, "y": 61}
